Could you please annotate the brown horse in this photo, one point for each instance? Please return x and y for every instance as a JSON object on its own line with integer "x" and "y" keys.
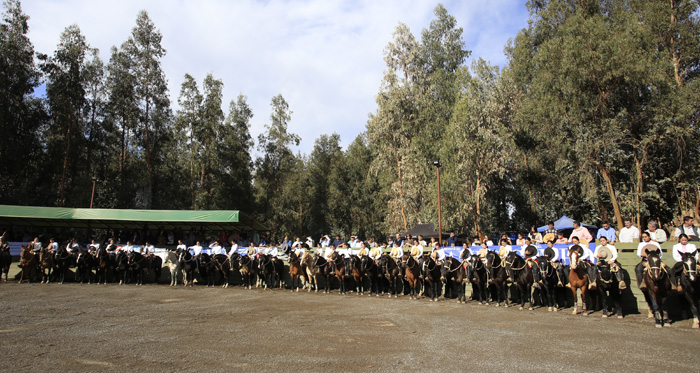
{"x": 29, "y": 262}
{"x": 578, "y": 278}
{"x": 412, "y": 273}
{"x": 357, "y": 274}
{"x": 338, "y": 265}
{"x": 295, "y": 271}
{"x": 45, "y": 264}
{"x": 658, "y": 287}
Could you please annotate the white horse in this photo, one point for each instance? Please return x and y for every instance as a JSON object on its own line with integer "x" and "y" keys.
{"x": 174, "y": 264}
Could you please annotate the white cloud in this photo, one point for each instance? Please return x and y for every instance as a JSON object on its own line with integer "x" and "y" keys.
{"x": 324, "y": 57}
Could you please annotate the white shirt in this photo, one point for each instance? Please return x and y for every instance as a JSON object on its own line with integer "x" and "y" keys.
{"x": 348, "y": 253}
{"x": 679, "y": 249}
{"x": 508, "y": 248}
{"x": 309, "y": 242}
{"x": 298, "y": 244}
{"x": 274, "y": 252}
{"x": 612, "y": 249}
{"x": 148, "y": 249}
{"x": 196, "y": 249}
{"x": 128, "y": 248}
{"x": 234, "y": 249}
{"x": 687, "y": 230}
{"x": 53, "y": 246}
{"x": 642, "y": 244}
{"x": 325, "y": 242}
{"x": 95, "y": 245}
{"x": 328, "y": 252}
{"x": 216, "y": 250}
{"x": 299, "y": 251}
{"x": 629, "y": 234}
{"x": 440, "y": 254}
{"x": 462, "y": 252}
{"x": 181, "y": 247}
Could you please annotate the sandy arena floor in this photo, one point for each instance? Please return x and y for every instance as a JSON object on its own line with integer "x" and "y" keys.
{"x": 155, "y": 327}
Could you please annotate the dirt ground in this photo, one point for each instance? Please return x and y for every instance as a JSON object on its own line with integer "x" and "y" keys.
{"x": 154, "y": 327}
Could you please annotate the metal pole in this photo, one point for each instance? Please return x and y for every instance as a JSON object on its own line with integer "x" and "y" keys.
{"x": 439, "y": 209}
{"x": 92, "y": 196}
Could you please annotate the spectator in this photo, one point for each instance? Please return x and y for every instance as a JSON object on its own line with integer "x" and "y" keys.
{"x": 582, "y": 233}
{"x": 520, "y": 240}
{"x": 688, "y": 229}
{"x": 398, "y": 241}
{"x": 452, "y": 240}
{"x": 309, "y": 241}
{"x": 656, "y": 234}
{"x": 550, "y": 234}
{"x": 505, "y": 237}
{"x": 535, "y": 236}
{"x": 608, "y": 232}
{"x": 325, "y": 241}
{"x": 338, "y": 242}
{"x": 629, "y": 233}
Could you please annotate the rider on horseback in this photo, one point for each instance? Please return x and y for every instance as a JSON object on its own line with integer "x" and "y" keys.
{"x": 583, "y": 254}
{"x": 641, "y": 267}
{"x": 681, "y": 247}
{"x": 375, "y": 253}
{"x": 397, "y": 253}
{"x": 438, "y": 254}
{"x": 529, "y": 252}
{"x": 552, "y": 256}
{"x": 607, "y": 256}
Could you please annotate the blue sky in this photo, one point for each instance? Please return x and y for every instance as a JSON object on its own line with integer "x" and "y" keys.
{"x": 325, "y": 57}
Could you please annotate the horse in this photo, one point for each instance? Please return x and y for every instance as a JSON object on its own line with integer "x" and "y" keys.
{"x": 371, "y": 270}
{"x": 173, "y": 262}
{"x": 412, "y": 273}
{"x": 476, "y": 274}
{"x": 84, "y": 263}
{"x": 431, "y": 274}
{"x": 204, "y": 268}
{"x": 46, "y": 264}
{"x": 658, "y": 287}
{"x": 64, "y": 261}
{"x": 122, "y": 266}
{"x": 338, "y": 267}
{"x": 105, "y": 262}
{"x": 28, "y": 261}
{"x": 188, "y": 265}
{"x": 500, "y": 277}
{"x": 221, "y": 264}
{"x": 321, "y": 268}
{"x": 578, "y": 279}
{"x": 392, "y": 273}
{"x": 521, "y": 275}
{"x": 138, "y": 265}
{"x": 295, "y": 271}
{"x": 5, "y": 261}
{"x": 690, "y": 281}
{"x": 607, "y": 283}
{"x": 453, "y": 272}
{"x": 266, "y": 269}
{"x": 248, "y": 271}
{"x": 549, "y": 278}
{"x": 357, "y": 274}
{"x": 279, "y": 272}
{"x": 307, "y": 267}
{"x": 156, "y": 265}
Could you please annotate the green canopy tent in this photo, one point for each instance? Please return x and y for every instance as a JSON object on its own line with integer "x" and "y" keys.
{"x": 63, "y": 217}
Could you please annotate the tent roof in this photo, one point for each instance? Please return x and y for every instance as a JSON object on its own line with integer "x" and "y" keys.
{"x": 564, "y": 222}
{"x": 62, "y": 217}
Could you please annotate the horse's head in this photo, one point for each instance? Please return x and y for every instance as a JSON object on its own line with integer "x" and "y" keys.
{"x": 574, "y": 256}
{"x": 654, "y": 265}
{"x": 445, "y": 269}
{"x": 544, "y": 265}
{"x": 511, "y": 259}
{"x": 365, "y": 263}
{"x": 690, "y": 264}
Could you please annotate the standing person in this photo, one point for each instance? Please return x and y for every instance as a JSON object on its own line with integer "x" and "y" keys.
{"x": 645, "y": 244}
{"x": 535, "y": 236}
{"x": 324, "y": 241}
{"x": 309, "y": 241}
{"x": 338, "y": 241}
{"x": 398, "y": 241}
{"x": 629, "y": 232}
{"x": 656, "y": 234}
{"x": 582, "y": 233}
{"x": 682, "y": 247}
{"x": 691, "y": 231}
{"x": 452, "y": 240}
{"x": 608, "y": 232}
{"x": 607, "y": 255}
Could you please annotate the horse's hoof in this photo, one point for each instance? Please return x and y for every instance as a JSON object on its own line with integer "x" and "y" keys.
{"x": 549, "y": 309}
{"x": 575, "y": 312}
{"x": 659, "y": 326}
{"x": 530, "y": 308}
{"x": 696, "y": 324}
{"x": 619, "y": 316}
{"x": 520, "y": 308}
{"x": 604, "y": 316}
{"x": 556, "y": 309}
{"x": 498, "y": 305}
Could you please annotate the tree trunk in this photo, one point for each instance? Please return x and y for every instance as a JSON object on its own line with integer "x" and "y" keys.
{"x": 611, "y": 192}
{"x": 192, "y": 171}
{"x": 62, "y": 185}
{"x": 639, "y": 164}
{"x": 403, "y": 212}
{"x": 529, "y": 187}
{"x": 148, "y": 151}
{"x": 477, "y": 215}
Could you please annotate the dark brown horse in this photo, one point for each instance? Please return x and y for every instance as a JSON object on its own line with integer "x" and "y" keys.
{"x": 520, "y": 273}
{"x": 46, "y": 264}
{"x": 392, "y": 273}
{"x": 658, "y": 287}
{"x": 338, "y": 265}
{"x": 578, "y": 278}
{"x": 105, "y": 262}
{"x": 476, "y": 275}
{"x": 500, "y": 277}
{"x": 690, "y": 280}
{"x": 29, "y": 262}
{"x": 431, "y": 275}
{"x": 5, "y": 260}
{"x": 453, "y": 273}
{"x": 357, "y": 274}
{"x": 295, "y": 271}
{"x": 322, "y": 269}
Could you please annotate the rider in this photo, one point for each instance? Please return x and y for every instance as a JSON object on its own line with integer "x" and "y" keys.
{"x": 375, "y": 253}
{"x": 504, "y": 249}
{"x": 681, "y": 247}
{"x": 438, "y": 254}
{"x": 180, "y": 246}
{"x": 196, "y": 249}
{"x": 36, "y": 245}
{"x": 216, "y": 249}
{"x": 93, "y": 247}
{"x": 396, "y": 253}
{"x": 328, "y": 252}
{"x": 148, "y": 249}
{"x": 363, "y": 250}
{"x": 552, "y": 256}
{"x": 53, "y": 245}
{"x": 584, "y": 254}
{"x": 645, "y": 244}
{"x": 529, "y": 252}
{"x": 607, "y": 256}
{"x": 252, "y": 251}
{"x": 111, "y": 248}
{"x": 416, "y": 251}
